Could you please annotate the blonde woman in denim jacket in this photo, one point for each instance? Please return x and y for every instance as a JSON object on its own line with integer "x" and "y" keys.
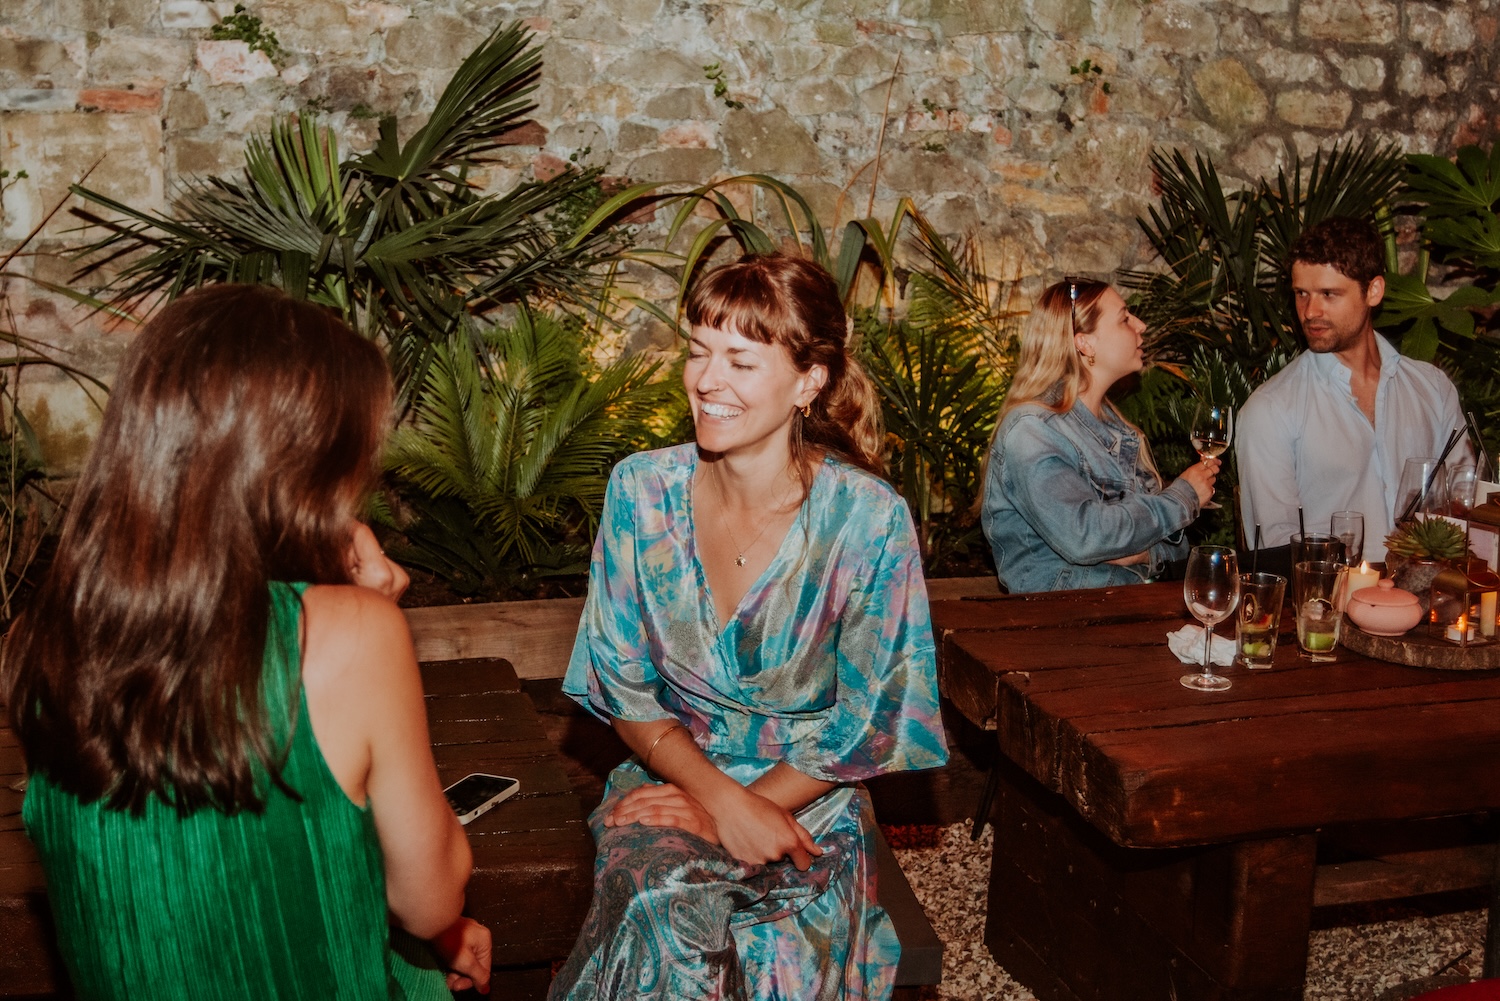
{"x": 1071, "y": 497}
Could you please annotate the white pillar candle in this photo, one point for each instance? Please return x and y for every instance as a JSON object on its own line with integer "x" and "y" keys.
{"x": 1359, "y": 577}
{"x": 1487, "y": 614}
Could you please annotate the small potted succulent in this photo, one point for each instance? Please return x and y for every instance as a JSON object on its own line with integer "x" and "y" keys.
{"x": 1417, "y": 551}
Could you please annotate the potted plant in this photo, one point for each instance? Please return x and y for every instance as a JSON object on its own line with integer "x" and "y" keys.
{"x": 1417, "y": 551}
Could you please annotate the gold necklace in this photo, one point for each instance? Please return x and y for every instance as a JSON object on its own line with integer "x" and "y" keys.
{"x": 739, "y": 557}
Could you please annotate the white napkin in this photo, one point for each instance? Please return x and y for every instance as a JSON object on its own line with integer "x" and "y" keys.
{"x": 1187, "y": 644}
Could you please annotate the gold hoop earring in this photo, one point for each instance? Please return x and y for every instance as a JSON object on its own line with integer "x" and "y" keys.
{"x": 1087, "y": 358}
{"x": 807, "y": 410}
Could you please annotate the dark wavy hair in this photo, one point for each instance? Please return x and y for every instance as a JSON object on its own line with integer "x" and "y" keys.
{"x": 777, "y": 299}
{"x": 1352, "y": 246}
{"x": 238, "y": 446}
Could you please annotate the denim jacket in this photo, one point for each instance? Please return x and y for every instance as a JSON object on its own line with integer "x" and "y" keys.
{"x": 1065, "y": 493}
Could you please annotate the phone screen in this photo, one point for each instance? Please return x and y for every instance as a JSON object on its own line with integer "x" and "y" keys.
{"x": 474, "y": 794}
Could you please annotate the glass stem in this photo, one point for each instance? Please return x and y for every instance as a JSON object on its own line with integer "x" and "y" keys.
{"x": 1208, "y": 638}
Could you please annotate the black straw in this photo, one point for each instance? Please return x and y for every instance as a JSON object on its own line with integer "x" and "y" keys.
{"x": 1484, "y": 459}
{"x": 1255, "y": 552}
{"x": 1301, "y": 525}
{"x": 1411, "y": 505}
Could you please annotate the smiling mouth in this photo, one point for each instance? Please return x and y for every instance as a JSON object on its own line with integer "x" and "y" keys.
{"x": 719, "y": 410}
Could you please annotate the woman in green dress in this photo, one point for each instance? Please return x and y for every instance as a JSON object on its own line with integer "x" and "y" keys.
{"x": 232, "y": 790}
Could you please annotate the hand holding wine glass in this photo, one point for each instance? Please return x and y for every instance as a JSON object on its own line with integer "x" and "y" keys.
{"x": 1212, "y": 432}
{"x": 1211, "y": 590}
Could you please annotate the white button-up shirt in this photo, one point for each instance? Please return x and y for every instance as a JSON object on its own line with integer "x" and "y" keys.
{"x": 1302, "y": 441}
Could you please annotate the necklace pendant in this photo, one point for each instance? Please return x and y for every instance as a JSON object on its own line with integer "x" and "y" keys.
{"x": 739, "y": 560}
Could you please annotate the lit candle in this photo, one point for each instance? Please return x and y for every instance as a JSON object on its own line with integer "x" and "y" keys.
{"x": 1360, "y": 577}
{"x": 1461, "y": 631}
{"x": 1487, "y": 614}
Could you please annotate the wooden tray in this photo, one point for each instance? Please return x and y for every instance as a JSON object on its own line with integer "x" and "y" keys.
{"x": 1418, "y": 649}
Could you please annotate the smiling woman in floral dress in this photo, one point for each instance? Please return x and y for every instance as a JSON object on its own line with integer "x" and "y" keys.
{"x": 757, "y": 632}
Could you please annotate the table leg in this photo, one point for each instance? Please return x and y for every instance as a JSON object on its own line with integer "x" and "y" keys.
{"x": 1075, "y": 917}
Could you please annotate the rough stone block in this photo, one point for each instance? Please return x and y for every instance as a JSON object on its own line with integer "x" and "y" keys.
{"x": 1179, "y": 27}
{"x": 63, "y": 415}
{"x": 1443, "y": 29}
{"x": 793, "y": 63}
{"x": 181, "y": 15}
{"x": 655, "y": 70}
{"x": 1262, "y": 157}
{"x": 634, "y": 136}
{"x": 1230, "y": 95}
{"x": 232, "y": 62}
{"x": 1290, "y": 67}
{"x": 1059, "y": 17}
{"x": 1315, "y": 109}
{"x": 692, "y": 166}
{"x": 576, "y": 137}
{"x": 1047, "y": 201}
{"x": 203, "y": 157}
{"x": 39, "y": 100}
{"x": 690, "y": 135}
{"x": 1360, "y": 72}
{"x": 435, "y": 40}
{"x": 769, "y": 141}
{"x": 1371, "y": 22}
{"x": 144, "y": 62}
{"x": 1413, "y": 80}
{"x": 682, "y": 104}
{"x": 25, "y": 62}
{"x": 928, "y": 173}
{"x": 55, "y": 149}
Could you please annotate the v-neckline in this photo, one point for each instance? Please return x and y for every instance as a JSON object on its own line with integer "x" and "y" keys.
{"x": 710, "y": 610}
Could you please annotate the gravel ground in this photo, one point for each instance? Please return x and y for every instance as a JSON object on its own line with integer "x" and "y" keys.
{"x": 1365, "y": 961}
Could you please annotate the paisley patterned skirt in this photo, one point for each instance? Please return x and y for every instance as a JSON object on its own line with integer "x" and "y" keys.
{"x": 675, "y": 917}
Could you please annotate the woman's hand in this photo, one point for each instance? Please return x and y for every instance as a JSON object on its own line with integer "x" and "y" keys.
{"x": 1200, "y": 476}
{"x": 663, "y": 806}
{"x": 1135, "y": 559}
{"x": 464, "y": 946}
{"x": 370, "y": 567}
{"x": 753, "y": 829}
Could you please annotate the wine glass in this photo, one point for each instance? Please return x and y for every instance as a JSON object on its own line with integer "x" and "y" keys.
{"x": 1349, "y": 528}
{"x": 1211, "y": 432}
{"x": 1211, "y": 590}
{"x": 1423, "y": 490}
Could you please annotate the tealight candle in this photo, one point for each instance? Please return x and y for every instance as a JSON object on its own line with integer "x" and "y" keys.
{"x": 1461, "y": 631}
{"x": 1360, "y": 577}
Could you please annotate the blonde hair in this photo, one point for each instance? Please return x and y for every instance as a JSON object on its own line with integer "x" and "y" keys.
{"x": 1050, "y": 371}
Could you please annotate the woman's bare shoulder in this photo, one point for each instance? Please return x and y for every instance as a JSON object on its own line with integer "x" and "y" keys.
{"x": 348, "y": 627}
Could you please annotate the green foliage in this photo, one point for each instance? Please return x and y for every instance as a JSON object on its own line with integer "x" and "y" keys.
{"x": 397, "y": 241}
{"x": 714, "y": 73}
{"x": 941, "y": 373}
{"x": 503, "y": 474}
{"x": 1458, "y": 203}
{"x": 242, "y": 26}
{"x": 1090, "y": 73}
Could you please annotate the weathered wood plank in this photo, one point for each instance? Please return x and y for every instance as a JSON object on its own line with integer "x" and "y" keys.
{"x": 535, "y": 636}
{"x": 1407, "y": 874}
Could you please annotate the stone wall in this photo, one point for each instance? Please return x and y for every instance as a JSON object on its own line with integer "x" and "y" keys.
{"x": 985, "y": 123}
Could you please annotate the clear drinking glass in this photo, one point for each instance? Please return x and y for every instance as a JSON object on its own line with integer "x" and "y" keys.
{"x": 1211, "y": 590}
{"x": 1212, "y": 432}
{"x": 1259, "y": 618}
{"x": 1316, "y": 587}
{"x": 1423, "y": 490}
{"x": 1349, "y": 528}
{"x": 1316, "y": 546}
{"x": 1463, "y": 490}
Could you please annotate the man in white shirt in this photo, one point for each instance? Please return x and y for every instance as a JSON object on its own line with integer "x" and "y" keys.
{"x": 1332, "y": 430}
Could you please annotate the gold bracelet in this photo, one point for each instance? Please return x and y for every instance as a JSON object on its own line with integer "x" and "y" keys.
{"x": 659, "y": 738}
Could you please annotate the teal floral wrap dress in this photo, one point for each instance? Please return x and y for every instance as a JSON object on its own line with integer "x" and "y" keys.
{"x": 827, "y": 664}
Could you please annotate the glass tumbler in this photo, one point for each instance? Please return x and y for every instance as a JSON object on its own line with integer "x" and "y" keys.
{"x": 1316, "y": 587}
{"x": 1258, "y": 619}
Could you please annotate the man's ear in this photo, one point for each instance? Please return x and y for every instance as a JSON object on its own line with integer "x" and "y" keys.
{"x": 1375, "y": 292}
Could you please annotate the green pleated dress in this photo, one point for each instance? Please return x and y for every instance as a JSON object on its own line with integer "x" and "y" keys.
{"x": 288, "y": 903}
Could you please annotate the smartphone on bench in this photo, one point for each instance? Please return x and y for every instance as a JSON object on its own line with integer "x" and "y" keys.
{"x": 476, "y": 794}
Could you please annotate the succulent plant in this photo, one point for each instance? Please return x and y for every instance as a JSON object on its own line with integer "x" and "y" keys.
{"x": 1428, "y": 538}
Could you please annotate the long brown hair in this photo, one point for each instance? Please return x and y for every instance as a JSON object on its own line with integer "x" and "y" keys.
{"x": 237, "y": 447}
{"x": 776, "y": 299}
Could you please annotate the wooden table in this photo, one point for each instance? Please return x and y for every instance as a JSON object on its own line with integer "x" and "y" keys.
{"x": 1152, "y": 840}
{"x": 533, "y": 854}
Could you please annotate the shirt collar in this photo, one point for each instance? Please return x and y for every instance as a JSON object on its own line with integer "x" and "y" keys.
{"x": 1333, "y": 371}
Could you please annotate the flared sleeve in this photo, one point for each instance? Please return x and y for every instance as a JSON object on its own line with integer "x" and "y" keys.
{"x": 886, "y": 717}
{"x": 610, "y": 672}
